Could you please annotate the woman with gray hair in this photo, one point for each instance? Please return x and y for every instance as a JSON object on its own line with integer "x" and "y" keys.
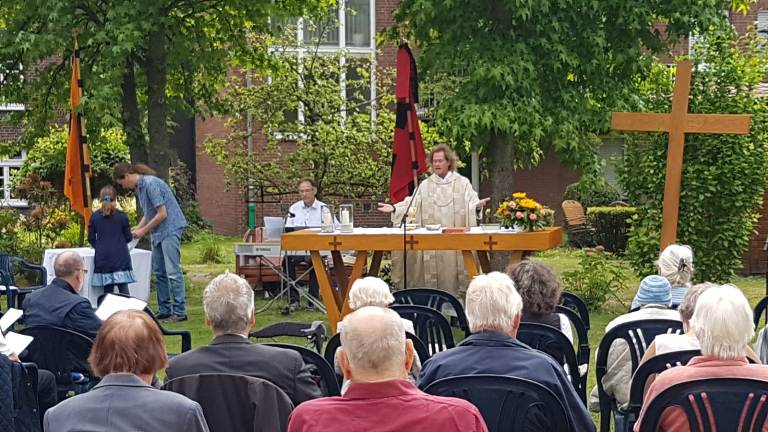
{"x": 722, "y": 322}
{"x": 676, "y": 264}
{"x": 372, "y": 291}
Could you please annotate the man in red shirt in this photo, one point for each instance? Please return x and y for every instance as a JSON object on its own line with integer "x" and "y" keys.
{"x": 376, "y": 358}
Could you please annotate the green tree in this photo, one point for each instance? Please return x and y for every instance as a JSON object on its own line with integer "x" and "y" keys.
{"x": 723, "y": 175}
{"x": 336, "y": 140}
{"x": 143, "y": 60}
{"x": 533, "y": 75}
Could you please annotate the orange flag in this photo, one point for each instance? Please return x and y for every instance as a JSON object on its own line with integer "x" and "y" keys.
{"x": 77, "y": 174}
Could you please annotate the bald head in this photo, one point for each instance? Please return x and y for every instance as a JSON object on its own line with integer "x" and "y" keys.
{"x": 374, "y": 345}
{"x": 67, "y": 263}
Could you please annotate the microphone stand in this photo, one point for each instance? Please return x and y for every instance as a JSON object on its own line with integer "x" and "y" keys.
{"x": 405, "y": 243}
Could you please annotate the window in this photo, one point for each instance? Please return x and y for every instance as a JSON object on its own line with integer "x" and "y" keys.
{"x": 7, "y": 169}
{"x": 762, "y": 23}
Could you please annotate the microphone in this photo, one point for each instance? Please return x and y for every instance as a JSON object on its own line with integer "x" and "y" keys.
{"x": 405, "y": 243}
{"x": 291, "y": 214}
{"x": 410, "y": 203}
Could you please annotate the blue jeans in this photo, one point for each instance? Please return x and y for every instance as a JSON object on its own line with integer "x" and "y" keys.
{"x": 169, "y": 280}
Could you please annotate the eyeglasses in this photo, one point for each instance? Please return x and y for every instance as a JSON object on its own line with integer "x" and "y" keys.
{"x": 85, "y": 271}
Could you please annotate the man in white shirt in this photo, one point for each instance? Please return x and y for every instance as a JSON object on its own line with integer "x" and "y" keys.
{"x": 304, "y": 213}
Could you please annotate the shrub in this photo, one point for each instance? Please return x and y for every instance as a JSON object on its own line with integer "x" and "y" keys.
{"x": 210, "y": 250}
{"x": 10, "y": 232}
{"x": 611, "y": 226}
{"x": 592, "y": 192}
{"x": 723, "y": 176}
{"x": 184, "y": 188}
{"x": 600, "y": 276}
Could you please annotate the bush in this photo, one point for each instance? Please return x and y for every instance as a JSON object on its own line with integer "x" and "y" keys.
{"x": 723, "y": 176}
{"x": 611, "y": 226}
{"x": 592, "y": 193}
{"x": 181, "y": 182}
{"x": 599, "y": 277}
{"x": 10, "y": 232}
{"x": 210, "y": 250}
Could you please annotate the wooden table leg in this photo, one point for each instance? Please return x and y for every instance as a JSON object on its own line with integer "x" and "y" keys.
{"x": 373, "y": 269}
{"x": 357, "y": 272}
{"x": 340, "y": 274}
{"x": 326, "y": 289}
{"x": 485, "y": 261}
{"x": 516, "y": 257}
{"x": 470, "y": 264}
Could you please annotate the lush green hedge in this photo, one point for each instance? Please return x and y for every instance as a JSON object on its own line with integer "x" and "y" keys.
{"x": 611, "y": 226}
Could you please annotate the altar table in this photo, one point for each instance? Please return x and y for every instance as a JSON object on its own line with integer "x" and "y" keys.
{"x": 476, "y": 242}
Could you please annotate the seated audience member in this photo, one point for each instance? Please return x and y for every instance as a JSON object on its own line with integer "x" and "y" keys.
{"x": 676, "y": 265}
{"x": 493, "y": 309}
{"x": 46, "y": 380}
{"x": 653, "y": 299}
{"x": 59, "y": 304}
{"x": 722, "y": 322}
{"x": 376, "y": 357}
{"x": 372, "y": 291}
{"x": 127, "y": 352}
{"x": 228, "y": 306}
{"x": 540, "y": 290}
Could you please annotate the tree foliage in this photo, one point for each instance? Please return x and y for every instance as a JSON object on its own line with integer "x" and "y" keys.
{"x": 533, "y": 75}
{"x": 723, "y": 175}
{"x": 142, "y": 60}
{"x": 336, "y": 140}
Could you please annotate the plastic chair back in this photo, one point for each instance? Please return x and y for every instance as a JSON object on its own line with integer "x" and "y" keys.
{"x": 555, "y": 344}
{"x": 653, "y": 366}
{"x": 638, "y": 335}
{"x": 431, "y": 326}
{"x": 435, "y": 299}
{"x": 506, "y": 403}
{"x": 576, "y": 304}
{"x": 9, "y": 263}
{"x": 314, "y": 332}
{"x": 329, "y": 385}
{"x": 714, "y": 404}
{"x": 233, "y": 402}
{"x": 760, "y": 309}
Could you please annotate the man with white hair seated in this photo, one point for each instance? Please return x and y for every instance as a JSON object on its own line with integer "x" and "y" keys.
{"x": 493, "y": 308}
{"x": 228, "y": 306}
{"x": 722, "y": 322}
{"x": 375, "y": 356}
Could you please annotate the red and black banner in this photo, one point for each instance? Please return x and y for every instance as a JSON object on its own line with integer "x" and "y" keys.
{"x": 408, "y": 155}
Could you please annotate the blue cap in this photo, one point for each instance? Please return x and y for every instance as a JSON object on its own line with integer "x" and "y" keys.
{"x": 654, "y": 289}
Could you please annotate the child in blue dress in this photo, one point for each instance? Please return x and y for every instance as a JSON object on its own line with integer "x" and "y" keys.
{"x": 109, "y": 233}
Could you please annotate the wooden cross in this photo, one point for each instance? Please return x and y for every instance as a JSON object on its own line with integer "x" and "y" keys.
{"x": 491, "y": 243}
{"x": 335, "y": 243}
{"x": 677, "y": 124}
{"x": 411, "y": 242}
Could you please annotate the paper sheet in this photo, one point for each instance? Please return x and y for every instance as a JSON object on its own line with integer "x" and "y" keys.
{"x": 17, "y": 342}
{"x": 9, "y": 318}
{"x": 132, "y": 244}
{"x": 113, "y": 304}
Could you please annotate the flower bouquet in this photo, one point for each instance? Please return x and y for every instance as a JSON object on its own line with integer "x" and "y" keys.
{"x": 522, "y": 212}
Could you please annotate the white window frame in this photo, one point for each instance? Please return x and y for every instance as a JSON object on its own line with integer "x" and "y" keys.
{"x": 5, "y": 173}
{"x": 355, "y": 51}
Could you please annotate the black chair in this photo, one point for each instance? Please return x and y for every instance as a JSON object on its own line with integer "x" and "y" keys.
{"x": 435, "y": 299}
{"x": 329, "y": 386}
{"x": 714, "y": 404}
{"x": 184, "y": 335}
{"x": 64, "y": 353}
{"x": 760, "y": 308}
{"x": 314, "y": 332}
{"x": 234, "y": 402}
{"x": 576, "y": 304}
{"x": 9, "y": 264}
{"x": 638, "y": 335}
{"x": 582, "y": 335}
{"x": 656, "y": 364}
{"x": 335, "y": 342}
{"x": 506, "y": 403}
{"x": 431, "y": 326}
{"x": 554, "y": 343}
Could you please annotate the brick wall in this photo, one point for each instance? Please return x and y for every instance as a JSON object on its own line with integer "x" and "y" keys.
{"x": 8, "y": 132}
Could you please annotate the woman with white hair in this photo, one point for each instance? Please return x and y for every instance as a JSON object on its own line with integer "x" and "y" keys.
{"x": 676, "y": 264}
{"x": 372, "y": 291}
{"x": 722, "y": 322}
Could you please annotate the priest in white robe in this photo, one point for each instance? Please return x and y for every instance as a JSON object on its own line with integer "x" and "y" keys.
{"x": 445, "y": 198}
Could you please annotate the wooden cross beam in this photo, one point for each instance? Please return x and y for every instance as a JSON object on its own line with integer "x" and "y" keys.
{"x": 677, "y": 124}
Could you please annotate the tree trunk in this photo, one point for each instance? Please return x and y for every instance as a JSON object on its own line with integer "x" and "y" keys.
{"x": 159, "y": 157}
{"x": 130, "y": 115}
{"x": 500, "y": 157}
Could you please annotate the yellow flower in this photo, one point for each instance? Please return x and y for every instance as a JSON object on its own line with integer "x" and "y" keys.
{"x": 528, "y": 203}
{"x": 519, "y": 195}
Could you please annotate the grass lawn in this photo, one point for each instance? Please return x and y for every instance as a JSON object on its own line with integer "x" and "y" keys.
{"x": 198, "y": 274}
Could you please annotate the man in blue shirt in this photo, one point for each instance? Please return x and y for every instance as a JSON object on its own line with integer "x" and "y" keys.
{"x": 493, "y": 308}
{"x": 165, "y": 223}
